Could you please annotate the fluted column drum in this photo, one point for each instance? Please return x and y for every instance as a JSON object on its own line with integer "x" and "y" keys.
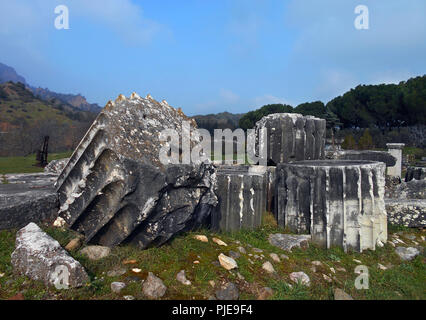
{"x": 340, "y": 203}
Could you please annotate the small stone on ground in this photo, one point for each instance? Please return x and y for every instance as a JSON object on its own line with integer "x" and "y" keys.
{"x": 300, "y": 277}
{"x": 153, "y": 287}
{"x": 229, "y": 291}
{"x": 227, "y": 262}
{"x": 339, "y": 294}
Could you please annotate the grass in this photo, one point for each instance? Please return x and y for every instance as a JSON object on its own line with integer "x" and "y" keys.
{"x": 402, "y": 280}
{"x": 26, "y": 164}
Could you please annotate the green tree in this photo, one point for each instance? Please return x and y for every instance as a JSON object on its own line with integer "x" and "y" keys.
{"x": 366, "y": 141}
{"x": 349, "y": 143}
{"x": 248, "y": 121}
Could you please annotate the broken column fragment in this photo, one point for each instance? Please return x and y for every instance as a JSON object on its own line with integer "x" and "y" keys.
{"x": 40, "y": 257}
{"x": 292, "y": 137}
{"x": 242, "y": 195}
{"x": 115, "y": 189}
{"x": 340, "y": 203}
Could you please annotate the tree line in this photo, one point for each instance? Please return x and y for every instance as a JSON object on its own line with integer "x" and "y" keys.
{"x": 385, "y": 107}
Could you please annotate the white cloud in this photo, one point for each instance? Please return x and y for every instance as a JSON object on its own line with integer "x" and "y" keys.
{"x": 123, "y": 16}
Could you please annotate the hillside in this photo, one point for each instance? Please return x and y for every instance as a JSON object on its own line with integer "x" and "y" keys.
{"x": 75, "y": 100}
{"x": 25, "y": 119}
{"x": 19, "y": 106}
{"x": 8, "y": 74}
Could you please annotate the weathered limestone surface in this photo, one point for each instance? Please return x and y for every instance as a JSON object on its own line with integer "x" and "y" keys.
{"x": 115, "y": 189}
{"x": 292, "y": 137}
{"x": 27, "y": 198}
{"x": 56, "y": 166}
{"x": 287, "y": 242}
{"x": 340, "y": 203}
{"x": 242, "y": 195}
{"x": 415, "y": 173}
{"x": 369, "y": 155}
{"x": 414, "y": 189}
{"x": 38, "y": 256}
{"x": 409, "y": 212}
{"x": 395, "y": 149}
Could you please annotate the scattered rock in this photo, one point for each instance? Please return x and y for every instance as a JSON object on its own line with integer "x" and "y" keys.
{"x": 41, "y": 257}
{"x": 268, "y": 267}
{"x": 249, "y": 260}
{"x": 284, "y": 257}
{"x": 341, "y": 269}
{"x": 229, "y": 291}
{"x": 196, "y": 262}
{"x": 136, "y": 270}
{"x": 59, "y": 223}
{"x": 212, "y": 283}
{"x": 275, "y": 257}
{"x": 392, "y": 244}
{"x": 332, "y": 270}
{"x": 288, "y": 241}
{"x": 56, "y": 166}
{"x": 357, "y": 261}
{"x": 234, "y": 255}
{"x": 407, "y": 254}
{"x": 339, "y": 294}
{"x": 96, "y": 252}
{"x": 381, "y": 267}
{"x": 181, "y": 277}
{"x": 153, "y": 287}
{"x": 227, "y": 262}
{"x": 317, "y": 263}
{"x": 219, "y": 242}
{"x": 1, "y": 275}
{"x": 116, "y": 272}
{"x": 300, "y": 277}
{"x": 129, "y": 298}
{"x": 201, "y": 238}
{"x": 242, "y": 250}
{"x": 411, "y": 236}
{"x": 116, "y": 287}
{"x": 74, "y": 244}
{"x": 313, "y": 269}
{"x": 257, "y": 250}
{"x": 327, "y": 278}
{"x": 132, "y": 261}
{"x": 265, "y": 293}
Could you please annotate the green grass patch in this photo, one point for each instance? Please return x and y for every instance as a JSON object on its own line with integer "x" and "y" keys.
{"x": 402, "y": 280}
{"x": 26, "y": 164}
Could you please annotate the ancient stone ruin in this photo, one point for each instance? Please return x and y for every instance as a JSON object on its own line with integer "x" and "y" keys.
{"x": 242, "y": 194}
{"x": 292, "y": 137}
{"x": 115, "y": 189}
{"x": 340, "y": 203}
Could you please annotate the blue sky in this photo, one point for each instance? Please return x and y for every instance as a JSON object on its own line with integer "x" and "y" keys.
{"x": 210, "y": 56}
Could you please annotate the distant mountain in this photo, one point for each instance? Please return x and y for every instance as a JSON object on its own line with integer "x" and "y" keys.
{"x": 20, "y": 107}
{"x": 75, "y": 100}
{"x": 9, "y": 74}
{"x": 223, "y": 120}
{"x": 26, "y": 119}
